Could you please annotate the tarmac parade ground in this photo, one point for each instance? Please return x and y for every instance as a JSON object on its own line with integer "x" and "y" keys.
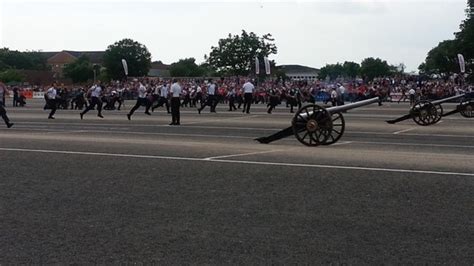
{"x": 112, "y": 190}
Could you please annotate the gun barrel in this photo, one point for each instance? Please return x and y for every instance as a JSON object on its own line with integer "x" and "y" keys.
{"x": 341, "y": 108}
{"x": 448, "y": 99}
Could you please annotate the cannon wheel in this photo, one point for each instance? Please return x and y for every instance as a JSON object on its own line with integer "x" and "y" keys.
{"x": 424, "y": 113}
{"x": 439, "y": 111}
{"x": 338, "y": 127}
{"x": 467, "y": 108}
{"x": 312, "y": 125}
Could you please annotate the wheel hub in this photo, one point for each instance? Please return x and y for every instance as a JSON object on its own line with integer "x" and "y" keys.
{"x": 312, "y": 125}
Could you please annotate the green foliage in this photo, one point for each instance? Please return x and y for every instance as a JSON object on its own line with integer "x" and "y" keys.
{"x": 137, "y": 55}
{"x": 22, "y": 60}
{"x": 11, "y": 75}
{"x": 441, "y": 59}
{"x": 235, "y": 55}
{"x": 346, "y": 70}
{"x": 331, "y": 71}
{"x": 351, "y": 69}
{"x": 80, "y": 70}
{"x": 371, "y": 68}
{"x": 186, "y": 68}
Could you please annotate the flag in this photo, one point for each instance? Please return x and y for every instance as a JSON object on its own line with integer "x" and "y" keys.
{"x": 257, "y": 66}
{"x": 125, "y": 67}
{"x": 267, "y": 65}
{"x": 462, "y": 63}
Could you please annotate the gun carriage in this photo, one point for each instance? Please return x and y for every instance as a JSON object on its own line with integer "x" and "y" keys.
{"x": 314, "y": 125}
{"x": 426, "y": 113}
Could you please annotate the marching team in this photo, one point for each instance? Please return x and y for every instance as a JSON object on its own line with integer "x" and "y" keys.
{"x": 175, "y": 94}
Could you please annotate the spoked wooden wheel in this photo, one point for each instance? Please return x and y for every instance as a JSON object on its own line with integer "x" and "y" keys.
{"x": 338, "y": 126}
{"x": 424, "y": 113}
{"x": 439, "y": 111}
{"x": 467, "y": 108}
{"x": 312, "y": 125}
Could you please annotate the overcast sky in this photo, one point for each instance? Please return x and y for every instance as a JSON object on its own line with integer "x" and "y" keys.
{"x": 311, "y": 33}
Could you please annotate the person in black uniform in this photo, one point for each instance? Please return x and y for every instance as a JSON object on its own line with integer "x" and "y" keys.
{"x": 273, "y": 94}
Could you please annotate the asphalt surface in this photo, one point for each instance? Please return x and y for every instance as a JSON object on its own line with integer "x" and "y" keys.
{"x": 117, "y": 191}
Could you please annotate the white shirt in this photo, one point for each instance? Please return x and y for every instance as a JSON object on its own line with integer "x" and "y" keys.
{"x": 164, "y": 91}
{"x": 141, "y": 91}
{"x": 248, "y": 87}
{"x": 96, "y": 91}
{"x": 411, "y": 91}
{"x": 341, "y": 89}
{"x": 198, "y": 90}
{"x": 333, "y": 94}
{"x": 211, "y": 90}
{"x": 175, "y": 90}
{"x": 51, "y": 93}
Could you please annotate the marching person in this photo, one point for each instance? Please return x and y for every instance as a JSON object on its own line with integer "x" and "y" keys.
{"x": 3, "y": 112}
{"x": 175, "y": 91}
{"x": 51, "y": 94}
{"x": 211, "y": 97}
{"x": 141, "y": 100}
{"x": 96, "y": 93}
{"x": 163, "y": 98}
{"x": 273, "y": 102}
{"x": 231, "y": 97}
{"x": 412, "y": 94}
{"x": 248, "y": 89}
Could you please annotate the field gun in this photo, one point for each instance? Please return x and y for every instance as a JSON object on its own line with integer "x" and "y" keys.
{"x": 426, "y": 113}
{"x": 314, "y": 125}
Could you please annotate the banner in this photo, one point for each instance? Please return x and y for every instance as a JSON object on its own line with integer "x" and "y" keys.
{"x": 125, "y": 66}
{"x": 257, "y": 66}
{"x": 267, "y": 65}
{"x": 462, "y": 63}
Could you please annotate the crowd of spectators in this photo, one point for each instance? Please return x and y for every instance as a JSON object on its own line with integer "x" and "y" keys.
{"x": 194, "y": 90}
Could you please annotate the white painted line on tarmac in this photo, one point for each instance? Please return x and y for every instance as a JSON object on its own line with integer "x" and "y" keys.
{"x": 341, "y": 143}
{"x": 413, "y": 144}
{"x": 240, "y": 154}
{"x": 403, "y": 131}
{"x": 299, "y": 165}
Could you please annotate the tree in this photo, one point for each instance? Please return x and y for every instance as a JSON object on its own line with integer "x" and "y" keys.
{"x": 465, "y": 38}
{"x": 331, "y": 71}
{"x": 441, "y": 59}
{"x": 80, "y": 70}
{"x": 186, "y": 68}
{"x": 351, "y": 69}
{"x": 22, "y": 60}
{"x": 137, "y": 55}
{"x": 371, "y": 68}
{"x": 11, "y": 75}
{"x": 235, "y": 55}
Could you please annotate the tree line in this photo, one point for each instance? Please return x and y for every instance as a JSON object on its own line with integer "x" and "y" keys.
{"x": 442, "y": 59}
{"x": 235, "y": 55}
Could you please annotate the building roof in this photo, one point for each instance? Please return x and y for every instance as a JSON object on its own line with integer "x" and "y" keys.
{"x": 96, "y": 57}
{"x": 159, "y": 65}
{"x": 298, "y": 69}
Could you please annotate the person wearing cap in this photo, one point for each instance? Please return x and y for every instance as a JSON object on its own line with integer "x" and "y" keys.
{"x": 3, "y": 112}
{"x": 175, "y": 91}
{"x": 95, "y": 92}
